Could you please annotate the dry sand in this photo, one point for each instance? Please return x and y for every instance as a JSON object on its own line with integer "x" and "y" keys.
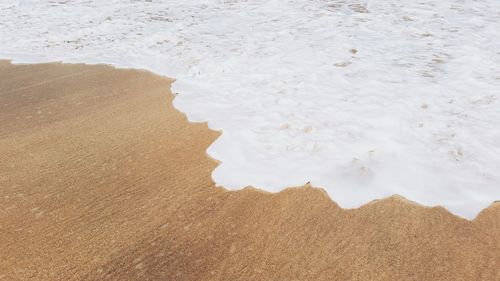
{"x": 101, "y": 179}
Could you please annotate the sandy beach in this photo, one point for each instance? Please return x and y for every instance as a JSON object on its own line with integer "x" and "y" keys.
{"x": 102, "y": 179}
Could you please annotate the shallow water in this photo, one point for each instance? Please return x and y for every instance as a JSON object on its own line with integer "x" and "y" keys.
{"x": 363, "y": 98}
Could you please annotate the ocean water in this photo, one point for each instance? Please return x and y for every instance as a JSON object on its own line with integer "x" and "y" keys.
{"x": 363, "y": 98}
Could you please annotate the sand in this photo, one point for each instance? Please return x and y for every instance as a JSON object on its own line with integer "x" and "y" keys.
{"x": 102, "y": 179}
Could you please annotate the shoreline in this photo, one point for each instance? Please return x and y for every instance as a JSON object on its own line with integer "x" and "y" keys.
{"x": 110, "y": 159}
{"x": 34, "y": 59}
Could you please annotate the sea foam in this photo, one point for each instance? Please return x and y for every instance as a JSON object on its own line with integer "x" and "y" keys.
{"x": 363, "y": 98}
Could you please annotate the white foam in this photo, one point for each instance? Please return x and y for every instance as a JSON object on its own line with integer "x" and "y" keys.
{"x": 363, "y": 98}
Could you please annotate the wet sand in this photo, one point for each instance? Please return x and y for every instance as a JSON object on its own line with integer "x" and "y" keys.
{"x": 102, "y": 179}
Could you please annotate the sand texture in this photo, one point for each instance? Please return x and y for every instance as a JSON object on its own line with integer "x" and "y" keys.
{"x": 102, "y": 179}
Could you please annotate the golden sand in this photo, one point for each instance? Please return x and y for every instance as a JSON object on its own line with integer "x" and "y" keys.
{"x": 102, "y": 179}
